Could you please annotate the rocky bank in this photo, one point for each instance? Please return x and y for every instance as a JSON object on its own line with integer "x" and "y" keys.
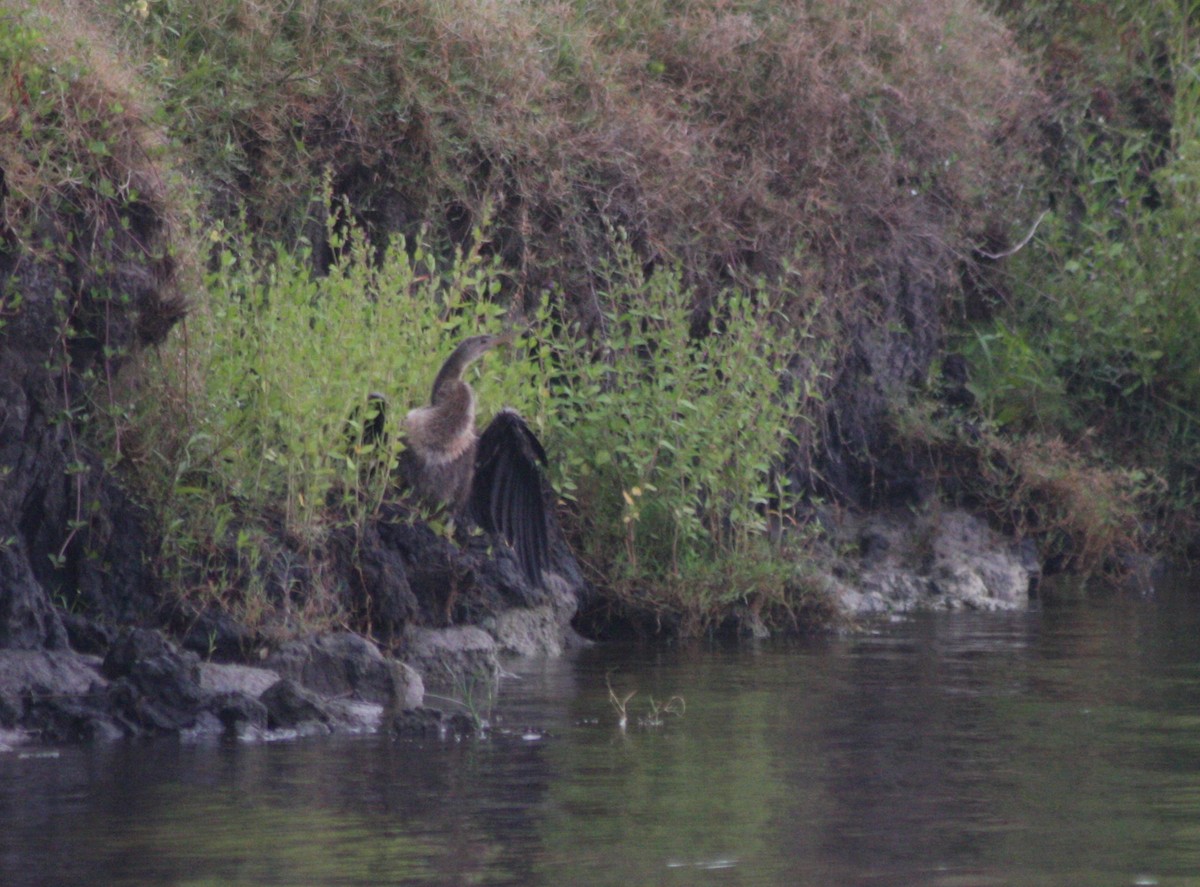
{"x": 143, "y": 683}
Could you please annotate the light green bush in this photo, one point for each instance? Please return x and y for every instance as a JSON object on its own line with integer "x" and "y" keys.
{"x": 268, "y": 384}
{"x": 663, "y": 444}
{"x": 670, "y": 444}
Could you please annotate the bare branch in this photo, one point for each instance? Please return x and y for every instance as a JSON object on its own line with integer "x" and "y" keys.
{"x": 1020, "y": 246}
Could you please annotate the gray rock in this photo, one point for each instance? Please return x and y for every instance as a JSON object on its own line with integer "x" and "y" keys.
{"x": 355, "y": 716}
{"x": 58, "y": 696}
{"x": 244, "y": 679}
{"x": 452, "y": 657}
{"x": 27, "y": 620}
{"x": 430, "y": 722}
{"x": 345, "y": 664}
{"x": 295, "y": 710}
{"x": 146, "y": 685}
{"x": 291, "y": 707}
{"x": 543, "y": 630}
{"x": 155, "y": 686}
{"x": 941, "y": 560}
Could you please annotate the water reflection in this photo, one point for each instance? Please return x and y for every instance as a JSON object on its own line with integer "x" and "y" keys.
{"x": 1052, "y": 747}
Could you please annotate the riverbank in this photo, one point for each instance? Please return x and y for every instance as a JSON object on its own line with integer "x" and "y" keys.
{"x": 138, "y": 682}
{"x": 803, "y": 392}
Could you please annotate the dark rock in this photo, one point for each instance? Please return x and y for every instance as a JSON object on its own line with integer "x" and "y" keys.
{"x": 430, "y": 722}
{"x": 37, "y": 677}
{"x": 408, "y": 575}
{"x": 743, "y": 623}
{"x": 73, "y": 719}
{"x": 155, "y": 687}
{"x": 27, "y": 620}
{"x": 438, "y": 572}
{"x": 240, "y": 715}
{"x": 499, "y": 573}
{"x": 147, "y": 653}
{"x": 888, "y": 353}
{"x": 378, "y": 576}
{"x": 109, "y": 576}
{"x": 345, "y": 664}
{"x": 214, "y": 635}
{"x": 1031, "y": 563}
{"x": 955, "y": 382}
{"x": 289, "y": 706}
{"x": 87, "y": 635}
{"x": 873, "y": 545}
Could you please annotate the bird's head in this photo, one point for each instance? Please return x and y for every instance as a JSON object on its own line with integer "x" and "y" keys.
{"x": 474, "y": 347}
{"x": 468, "y": 351}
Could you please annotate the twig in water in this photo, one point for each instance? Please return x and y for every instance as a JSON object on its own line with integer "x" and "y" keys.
{"x": 673, "y": 706}
{"x": 619, "y": 703}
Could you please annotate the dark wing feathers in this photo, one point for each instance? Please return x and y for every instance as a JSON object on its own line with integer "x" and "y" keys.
{"x": 507, "y": 494}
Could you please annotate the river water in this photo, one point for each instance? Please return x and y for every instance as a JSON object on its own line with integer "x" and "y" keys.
{"x": 1055, "y": 747}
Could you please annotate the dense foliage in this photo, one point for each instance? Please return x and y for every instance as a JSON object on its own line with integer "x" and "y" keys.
{"x": 665, "y": 446}
{"x": 1092, "y": 334}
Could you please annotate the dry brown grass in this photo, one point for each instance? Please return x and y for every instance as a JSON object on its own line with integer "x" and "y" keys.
{"x": 720, "y": 136}
{"x": 88, "y": 199}
{"x": 1078, "y": 509}
{"x": 1083, "y": 513}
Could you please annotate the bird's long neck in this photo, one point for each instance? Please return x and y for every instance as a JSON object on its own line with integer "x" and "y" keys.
{"x": 445, "y": 430}
{"x": 449, "y": 377}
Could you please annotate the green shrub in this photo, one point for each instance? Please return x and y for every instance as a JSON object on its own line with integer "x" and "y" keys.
{"x": 663, "y": 444}
{"x": 1097, "y": 338}
{"x": 670, "y": 444}
{"x": 1102, "y": 335}
{"x": 1014, "y": 381}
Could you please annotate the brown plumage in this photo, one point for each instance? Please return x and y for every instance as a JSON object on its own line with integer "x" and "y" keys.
{"x": 495, "y": 478}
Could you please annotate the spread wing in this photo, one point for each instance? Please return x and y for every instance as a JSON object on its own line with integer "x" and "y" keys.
{"x": 507, "y": 494}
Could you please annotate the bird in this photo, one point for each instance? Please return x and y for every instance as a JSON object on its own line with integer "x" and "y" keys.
{"x": 496, "y": 478}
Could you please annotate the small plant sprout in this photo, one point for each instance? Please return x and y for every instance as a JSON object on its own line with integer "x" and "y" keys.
{"x": 476, "y": 691}
{"x": 654, "y": 718}
{"x": 619, "y": 703}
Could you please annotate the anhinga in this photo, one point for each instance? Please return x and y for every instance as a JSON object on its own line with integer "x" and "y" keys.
{"x": 495, "y": 477}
